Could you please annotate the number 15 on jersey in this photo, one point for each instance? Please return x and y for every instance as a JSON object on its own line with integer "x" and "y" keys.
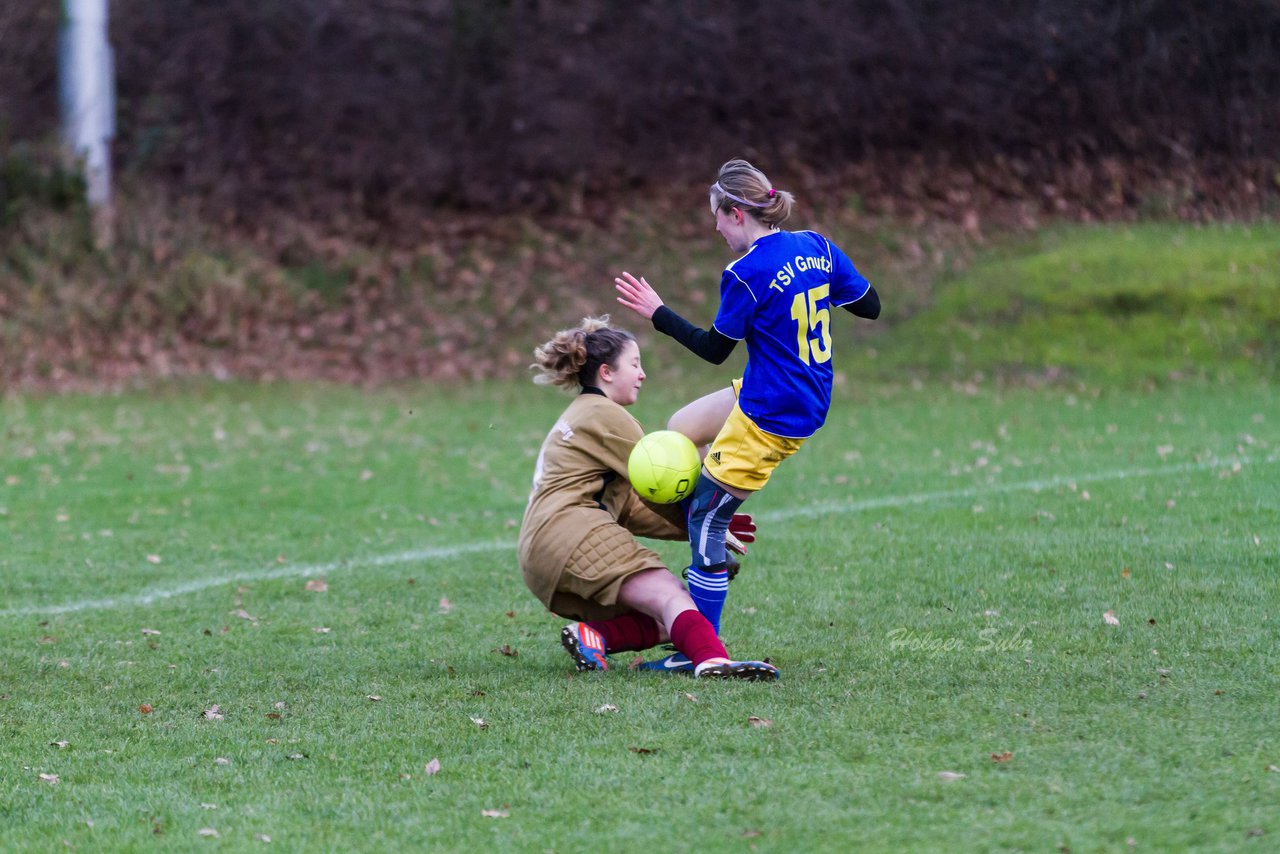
{"x": 813, "y": 333}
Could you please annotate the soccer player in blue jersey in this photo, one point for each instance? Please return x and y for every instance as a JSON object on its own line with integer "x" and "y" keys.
{"x": 778, "y": 296}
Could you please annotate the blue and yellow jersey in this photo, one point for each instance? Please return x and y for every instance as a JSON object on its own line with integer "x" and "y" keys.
{"x": 778, "y": 298}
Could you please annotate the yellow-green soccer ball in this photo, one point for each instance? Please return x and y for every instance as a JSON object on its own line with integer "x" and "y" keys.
{"x": 663, "y": 466}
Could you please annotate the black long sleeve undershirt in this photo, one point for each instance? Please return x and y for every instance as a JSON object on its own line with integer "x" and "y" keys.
{"x": 705, "y": 343}
{"x": 714, "y": 347}
{"x": 867, "y": 305}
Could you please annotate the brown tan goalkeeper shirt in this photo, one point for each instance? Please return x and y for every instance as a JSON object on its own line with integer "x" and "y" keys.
{"x": 579, "y": 484}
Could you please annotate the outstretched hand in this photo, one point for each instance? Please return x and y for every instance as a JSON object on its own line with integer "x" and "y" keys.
{"x": 637, "y": 295}
{"x": 742, "y": 530}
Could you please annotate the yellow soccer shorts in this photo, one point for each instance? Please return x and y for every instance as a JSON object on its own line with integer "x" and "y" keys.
{"x": 743, "y": 456}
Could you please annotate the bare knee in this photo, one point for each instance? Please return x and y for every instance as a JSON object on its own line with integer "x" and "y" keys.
{"x": 657, "y": 593}
{"x": 689, "y": 425}
{"x": 702, "y": 419}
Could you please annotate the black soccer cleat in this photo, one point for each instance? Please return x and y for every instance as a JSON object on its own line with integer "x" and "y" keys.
{"x": 723, "y": 668}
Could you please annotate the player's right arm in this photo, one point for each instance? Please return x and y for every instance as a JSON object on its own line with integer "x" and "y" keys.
{"x": 639, "y": 296}
{"x": 708, "y": 344}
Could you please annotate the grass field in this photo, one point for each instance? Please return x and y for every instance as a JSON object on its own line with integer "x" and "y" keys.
{"x": 1110, "y": 305}
{"x": 932, "y": 577}
{"x": 1007, "y": 618}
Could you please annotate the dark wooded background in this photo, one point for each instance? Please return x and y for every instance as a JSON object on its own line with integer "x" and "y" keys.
{"x": 377, "y": 104}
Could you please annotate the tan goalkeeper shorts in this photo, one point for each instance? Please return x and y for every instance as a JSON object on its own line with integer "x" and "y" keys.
{"x": 588, "y": 588}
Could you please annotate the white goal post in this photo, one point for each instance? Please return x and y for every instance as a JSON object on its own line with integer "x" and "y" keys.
{"x": 87, "y": 83}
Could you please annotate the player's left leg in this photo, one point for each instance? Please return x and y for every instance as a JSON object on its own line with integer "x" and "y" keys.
{"x": 661, "y": 595}
{"x": 710, "y": 510}
{"x": 589, "y": 588}
{"x": 702, "y": 419}
{"x": 628, "y": 632}
{"x": 740, "y": 462}
{"x": 589, "y": 641}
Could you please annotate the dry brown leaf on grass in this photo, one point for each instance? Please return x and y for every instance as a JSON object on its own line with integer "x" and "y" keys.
{"x": 494, "y": 813}
{"x": 432, "y": 768}
{"x": 213, "y": 713}
{"x": 506, "y": 649}
{"x": 316, "y": 585}
{"x": 221, "y": 760}
{"x": 643, "y": 751}
{"x": 146, "y": 708}
{"x": 607, "y": 707}
{"x": 51, "y": 779}
{"x": 374, "y": 698}
{"x": 61, "y": 745}
{"x": 480, "y": 722}
{"x": 1006, "y": 756}
{"x": 244, "y": 615}
{"x": 759, "y": 722}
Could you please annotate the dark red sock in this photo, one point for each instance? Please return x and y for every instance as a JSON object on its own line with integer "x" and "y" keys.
{"x": 693, "y": 635}
{"x": 632, "y": 630}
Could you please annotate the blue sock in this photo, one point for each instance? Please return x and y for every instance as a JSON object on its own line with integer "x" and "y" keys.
{"x": 709, "y": 511}
{"x": 708, "y": 589}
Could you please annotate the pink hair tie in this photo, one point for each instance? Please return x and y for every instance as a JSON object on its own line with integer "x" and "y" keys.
{"x": 772, "y": 192}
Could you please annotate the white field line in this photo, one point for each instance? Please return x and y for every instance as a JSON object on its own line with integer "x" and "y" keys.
{"x": 447, "y": 552}
{"x": 945, "y": 495}
{"x": 156, "y": 595}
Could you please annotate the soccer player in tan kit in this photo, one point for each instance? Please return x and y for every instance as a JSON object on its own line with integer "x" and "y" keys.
{"x": 577, "y": 548}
